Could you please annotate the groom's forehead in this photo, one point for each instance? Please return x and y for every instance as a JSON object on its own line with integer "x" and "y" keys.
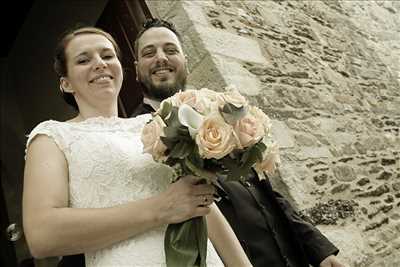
{"x": 158, "y": 36}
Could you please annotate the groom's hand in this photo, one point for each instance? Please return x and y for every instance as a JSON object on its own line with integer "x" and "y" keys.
{"x": 187, "y": 198}
{"x": 331, "y": 261}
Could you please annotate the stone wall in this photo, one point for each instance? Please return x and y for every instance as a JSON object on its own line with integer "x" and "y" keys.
{"x": 328, "y": 74}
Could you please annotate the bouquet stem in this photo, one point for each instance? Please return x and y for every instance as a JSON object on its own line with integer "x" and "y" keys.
{"x": 185, "y": 243}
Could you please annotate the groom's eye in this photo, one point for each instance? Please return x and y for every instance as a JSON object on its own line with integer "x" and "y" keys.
{"x": 148, "y": 53}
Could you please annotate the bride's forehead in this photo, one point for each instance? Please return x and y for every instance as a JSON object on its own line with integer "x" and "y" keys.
{"x": 88, "y": 42}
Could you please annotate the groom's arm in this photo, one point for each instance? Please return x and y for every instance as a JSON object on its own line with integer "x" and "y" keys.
{"x": 316, "y": 246}
{"x": 224, "y": 239}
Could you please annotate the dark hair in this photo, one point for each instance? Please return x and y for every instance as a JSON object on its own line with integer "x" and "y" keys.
{"x": 154, "y": 23}
{"x": 60, "y": 60}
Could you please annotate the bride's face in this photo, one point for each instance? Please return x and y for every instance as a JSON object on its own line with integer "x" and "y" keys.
{"x": 94, "y": 72}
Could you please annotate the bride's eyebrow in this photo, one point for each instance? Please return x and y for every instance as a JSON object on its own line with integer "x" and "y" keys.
{"x": 85, "y": 53}
{"x": 81, "y": 54}
{"x": 106, "y": 49}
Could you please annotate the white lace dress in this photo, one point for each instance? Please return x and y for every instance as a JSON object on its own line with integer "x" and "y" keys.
{"x": 107, "y": 167}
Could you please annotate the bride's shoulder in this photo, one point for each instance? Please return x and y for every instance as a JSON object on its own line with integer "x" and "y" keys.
{"x": 48, "y": 125}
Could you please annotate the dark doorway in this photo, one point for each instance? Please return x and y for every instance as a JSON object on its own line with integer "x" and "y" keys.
{"x": 123, "y": 18}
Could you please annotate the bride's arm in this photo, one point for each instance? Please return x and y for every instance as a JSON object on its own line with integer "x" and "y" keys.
{"x": 52, "y": 228}
{"x": 224, "y": 239}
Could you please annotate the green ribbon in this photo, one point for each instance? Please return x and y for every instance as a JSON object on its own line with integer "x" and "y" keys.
{"x": 185, "y": 243}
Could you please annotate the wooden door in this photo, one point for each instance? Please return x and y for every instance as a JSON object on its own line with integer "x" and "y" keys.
{"x": 7, "y": 251}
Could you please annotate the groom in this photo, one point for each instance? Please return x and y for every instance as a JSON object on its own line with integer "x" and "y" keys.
{"x": 270, "y": 231}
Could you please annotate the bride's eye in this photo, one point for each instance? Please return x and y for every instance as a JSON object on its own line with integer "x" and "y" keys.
{"x": 82, "y": 61}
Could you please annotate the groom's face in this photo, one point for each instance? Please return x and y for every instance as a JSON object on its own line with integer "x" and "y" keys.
{"x": 161, "y": 64}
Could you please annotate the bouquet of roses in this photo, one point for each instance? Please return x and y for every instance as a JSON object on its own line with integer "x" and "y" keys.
{"x": 207, "y": 133}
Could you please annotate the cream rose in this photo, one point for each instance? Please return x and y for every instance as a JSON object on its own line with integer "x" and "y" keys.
{"x": 249, "y": 130}
{"x": 209, "y": 100}
{"x": 270, "y": 161}
{"x": 150, "y": 137}
{"x": 215, "y": 138}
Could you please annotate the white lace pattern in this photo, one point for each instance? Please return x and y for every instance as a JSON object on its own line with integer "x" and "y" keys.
{"x": 107, "y": 167}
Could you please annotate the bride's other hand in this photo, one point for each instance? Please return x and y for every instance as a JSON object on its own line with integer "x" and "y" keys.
{"x": 185, "y": 199}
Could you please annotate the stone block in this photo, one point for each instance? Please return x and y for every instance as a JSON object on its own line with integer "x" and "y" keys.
{"x": 282, "y": 134}
{"x": 194, "y": 48}
{"x": 344, "y": 173}
{"x": 230, "y": 45}
{"x": 185, "y": 15}
{"x": 295, "y": 179}
{"x": 388, "y": 235}
{"x": 233, "y": 73}
{"x": 206, "y": 74}
{"x": 314, "y": 153}
{"x": 160, "y": 9}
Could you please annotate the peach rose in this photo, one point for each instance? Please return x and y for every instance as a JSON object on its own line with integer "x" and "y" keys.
{"x": 150, "y": 137}
{"x": 233, "y": 97}
{"x": 249, "y": 130}
{"x": 270, "y": 160}
{"x": 262, "y": 118}
{"x": 186, "y": 97}
{"x": 215, "y": 138}
{"x": 191, "y": 98}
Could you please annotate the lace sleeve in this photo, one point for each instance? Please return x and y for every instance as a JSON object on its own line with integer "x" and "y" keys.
{"x": 49, "y": 128}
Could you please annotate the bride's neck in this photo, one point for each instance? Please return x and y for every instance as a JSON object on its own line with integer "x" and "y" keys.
{"x": 87, "y": 113}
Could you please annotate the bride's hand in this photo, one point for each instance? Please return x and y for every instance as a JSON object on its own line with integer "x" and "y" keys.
{"x": 185, "y": 199}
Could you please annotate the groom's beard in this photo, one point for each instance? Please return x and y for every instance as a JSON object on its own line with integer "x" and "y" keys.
{"x": 162, "y": 91}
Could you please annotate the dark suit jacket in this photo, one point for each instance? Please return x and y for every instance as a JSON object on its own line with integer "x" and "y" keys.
{"x": 270, "y": 231}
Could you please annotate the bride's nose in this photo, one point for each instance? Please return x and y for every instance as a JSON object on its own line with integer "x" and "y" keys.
{"x": 99, "y": 63}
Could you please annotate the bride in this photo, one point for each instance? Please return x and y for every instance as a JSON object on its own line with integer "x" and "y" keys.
{"x": 88, "y": 188}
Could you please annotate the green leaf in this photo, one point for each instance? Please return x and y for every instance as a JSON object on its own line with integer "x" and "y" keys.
{"x": 198, "y": 171}
{"x": 173, "y": 120}
{"x": 181, "y": 149}
{"x": 195, "y": 157}
{"x": 169, "y": 142}
{"x": 232, "y": 113}
{"x": 166, "y": 108}
{"x": 185, "y": 243}
{"x": 252, "y": 155}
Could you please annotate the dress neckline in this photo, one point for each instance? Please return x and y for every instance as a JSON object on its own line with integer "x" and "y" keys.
{"x": 108, "y": 123}
{"x": 97, "y": 119}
